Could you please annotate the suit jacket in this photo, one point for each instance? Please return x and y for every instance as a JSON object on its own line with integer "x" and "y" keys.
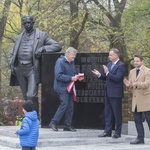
{"x": 114, "y": 80}
{"x": 141, "y": 94}
{"x": 41, "y": 39}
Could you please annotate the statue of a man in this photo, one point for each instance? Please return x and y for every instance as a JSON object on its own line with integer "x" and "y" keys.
{"x": 25, "y": 59}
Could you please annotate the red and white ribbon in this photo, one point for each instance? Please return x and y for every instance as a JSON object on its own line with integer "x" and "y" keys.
{"x": 71, "y": 86}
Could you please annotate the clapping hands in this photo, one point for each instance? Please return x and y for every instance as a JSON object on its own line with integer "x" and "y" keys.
{"x": 127, "y": 82}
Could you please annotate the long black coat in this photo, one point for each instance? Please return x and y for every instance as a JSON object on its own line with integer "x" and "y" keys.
{"x": 41, "y": 39}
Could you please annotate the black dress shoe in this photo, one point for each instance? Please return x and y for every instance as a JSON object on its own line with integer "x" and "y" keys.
{"x": 137, "y": 141}
{"x": 69, "y": 129}
{"x": 104, "y": 135}
{"x": 115, "y": 136}
{"x": 53, "y": 126}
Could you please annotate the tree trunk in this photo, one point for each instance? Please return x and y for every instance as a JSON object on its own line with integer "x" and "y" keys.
{"x": 74, "y": 23}
{"x": 116, "y": 39}
{"x": 76, "y": 28}
{"x": 115, "y": 35}
{"x": 3, "y": 21}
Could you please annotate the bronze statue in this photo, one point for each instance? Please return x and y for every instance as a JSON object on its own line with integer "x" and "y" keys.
{"x": 25, "y": 59}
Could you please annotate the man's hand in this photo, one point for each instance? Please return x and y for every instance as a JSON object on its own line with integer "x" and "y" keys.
{"x": 80, "y": 79}
{"x": 105, "y": 69}
{"x": 38, "y": 52}
{"x": 96, "y": 72}
{"x": 74, "y": 78}
{"x": 80, "y": 76}
{"x": 135, "y": 85}
{"x": 127, "y": 82}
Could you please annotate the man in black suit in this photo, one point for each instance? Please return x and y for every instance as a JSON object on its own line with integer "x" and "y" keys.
{"x": 114, "y": 74}
{"x": 25, "y": 59}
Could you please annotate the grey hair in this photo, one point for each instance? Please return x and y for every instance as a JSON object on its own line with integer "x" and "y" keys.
{"x": 71, "y": 50}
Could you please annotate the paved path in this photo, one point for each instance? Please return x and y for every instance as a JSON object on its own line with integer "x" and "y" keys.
{"x": 96, "y": 143}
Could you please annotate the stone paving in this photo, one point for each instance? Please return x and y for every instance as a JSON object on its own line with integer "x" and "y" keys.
{"x": 83, "y": 139}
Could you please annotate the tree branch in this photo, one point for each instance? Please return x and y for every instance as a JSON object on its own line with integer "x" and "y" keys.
{"x": 82, "y": 26}
{"x": 107, "y": 13}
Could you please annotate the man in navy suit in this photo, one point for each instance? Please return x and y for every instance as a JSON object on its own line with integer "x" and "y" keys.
{"x": 113, "y": 74}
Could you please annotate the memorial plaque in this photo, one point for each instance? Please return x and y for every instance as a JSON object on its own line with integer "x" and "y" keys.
{"x": 90, "y": 92}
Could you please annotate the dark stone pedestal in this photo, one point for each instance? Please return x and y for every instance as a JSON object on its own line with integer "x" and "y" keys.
{"x": 90, "y": 92}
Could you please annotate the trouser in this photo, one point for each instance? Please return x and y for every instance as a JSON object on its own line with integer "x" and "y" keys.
{"x": 28, "y": 84}
{"x": 66, "y": 108}
{"x": 28, "y": 148}
{"x": 113, "y": 114}
{"x": 139, "y": 122}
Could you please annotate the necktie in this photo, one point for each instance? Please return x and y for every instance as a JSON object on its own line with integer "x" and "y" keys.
{"x": 113, "y": 64}
{"x": 137, "y": 72}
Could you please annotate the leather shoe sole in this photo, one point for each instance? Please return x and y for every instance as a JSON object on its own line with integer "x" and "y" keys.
{"x": 69, "y": 129}
{"x": 104, "y": 135}
{"x": 115, "y": 136}
{"x": 137, "y": 141}
{"x": 54, "y": 127}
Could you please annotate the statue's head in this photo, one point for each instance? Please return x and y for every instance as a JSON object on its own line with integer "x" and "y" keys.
{"x": 28, "y": 23}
